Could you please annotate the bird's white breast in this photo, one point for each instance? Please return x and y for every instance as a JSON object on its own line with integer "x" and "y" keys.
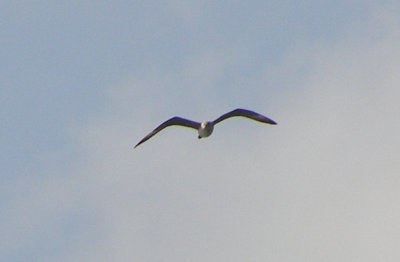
{"x": 205, "y": 129}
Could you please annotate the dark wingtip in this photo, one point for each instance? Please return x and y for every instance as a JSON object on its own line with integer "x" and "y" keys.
{"x": 269, "y": 121}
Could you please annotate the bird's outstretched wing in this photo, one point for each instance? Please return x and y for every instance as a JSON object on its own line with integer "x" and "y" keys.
{"x": 245, "y": 113}
{"x": 175, "y": 121}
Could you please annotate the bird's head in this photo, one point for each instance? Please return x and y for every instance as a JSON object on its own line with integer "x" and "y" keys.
{"x": 205, "y": 129}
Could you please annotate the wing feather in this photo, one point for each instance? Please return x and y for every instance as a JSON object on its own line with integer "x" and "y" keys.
{"x": 174, "y": 121}
{"x": 245, "y": 113}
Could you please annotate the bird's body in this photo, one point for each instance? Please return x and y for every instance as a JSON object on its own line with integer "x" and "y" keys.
{"x": 206, "y": 128}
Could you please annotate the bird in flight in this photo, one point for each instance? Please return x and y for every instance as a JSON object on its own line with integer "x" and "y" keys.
{"x": 206, "y": 128}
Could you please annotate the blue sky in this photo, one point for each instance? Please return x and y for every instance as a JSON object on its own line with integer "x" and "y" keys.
{"x": 82, "y": 82}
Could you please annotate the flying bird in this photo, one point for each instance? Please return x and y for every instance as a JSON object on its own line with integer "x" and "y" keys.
{"x": 206, "y": 128}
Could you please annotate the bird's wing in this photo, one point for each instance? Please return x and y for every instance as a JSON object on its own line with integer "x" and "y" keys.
{"x": 175, "y": 121}
{"x": 245, "y": 113}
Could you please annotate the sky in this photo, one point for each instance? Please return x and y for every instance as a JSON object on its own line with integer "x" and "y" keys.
{"x": 83, "y": 81}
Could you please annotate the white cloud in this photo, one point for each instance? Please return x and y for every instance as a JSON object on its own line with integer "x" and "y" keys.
{"x": 322, "y": 185}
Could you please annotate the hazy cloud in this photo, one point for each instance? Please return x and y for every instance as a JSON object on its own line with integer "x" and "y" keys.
{"x": 322, "y": 185}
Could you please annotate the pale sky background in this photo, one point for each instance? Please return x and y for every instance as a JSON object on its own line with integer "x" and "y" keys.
{"x": 81, "y": 82}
